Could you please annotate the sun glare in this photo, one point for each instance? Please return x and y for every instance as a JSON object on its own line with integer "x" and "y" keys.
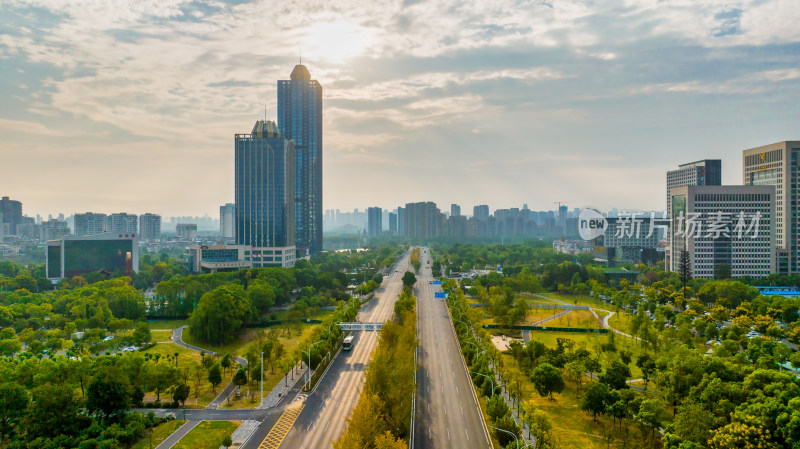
{"x": 335, "y": 41}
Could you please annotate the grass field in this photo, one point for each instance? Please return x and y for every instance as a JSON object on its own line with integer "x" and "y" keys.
{"x": 160, "y": 433}
{"x": 207, "y": 435}
{"x": 165, "y": 324}
{"x": 583, "y": 319}
{"x": 187, "y": 357}
{"x": 161, "y": 335}
{"x": 572, "y": 427}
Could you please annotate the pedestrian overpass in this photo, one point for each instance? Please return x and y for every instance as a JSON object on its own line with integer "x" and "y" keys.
{"x": 356, "y": 326}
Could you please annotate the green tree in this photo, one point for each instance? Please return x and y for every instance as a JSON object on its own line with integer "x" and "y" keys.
{"x": 615, "y": 375}
{"x": 226, "y": 442}
{"x": 240, "y": 378}
{"x": 109, "y": 392}
{"x": 226, "y": 362}
{"x": 595, "y": 399}
{"x": 215, "y": 376}
{"x": 684, "y": 269}
{"x": 13, "y": 402}
{"x": 220, "y": 315}
{"x": 647, "y": 365}
{"x": 53, "y": 411}
{"x": 141, "y": 334}
{"x": 159, "y": 376}
{"x": 181, "y": 393}
{"x": 409, "y": 279}
{"x": 547, "y": 379}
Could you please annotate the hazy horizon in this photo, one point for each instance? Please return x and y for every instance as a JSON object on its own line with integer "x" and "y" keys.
{"x": 133, "y": 107}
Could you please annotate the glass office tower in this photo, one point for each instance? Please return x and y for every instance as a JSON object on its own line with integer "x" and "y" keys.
{"x": 265, "y": 171}
{"x": 300, "y": 120}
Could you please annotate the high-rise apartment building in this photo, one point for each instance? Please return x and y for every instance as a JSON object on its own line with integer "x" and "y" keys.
{"x": 227, "y": 221}
{"x": 374, "y": 221}
{"x": 481, "y": 212}
{"x": 423, "y": 220}
{"x": 265, "y": 207}
{"x": 300, "y": 120}
{"x": 150, "y": 227}
{"x": 724, "y": 225}
{"x": 392, "y": 222}
{"x": 401, "y": 221}
{"x": 455, "y": 210}
{"x": 91, "y": 223}
{"x": 12, "y": 213}
{"x": 123, "y": 223}
{"x": 186, "y": 231}
{"x": 777, "y": 165}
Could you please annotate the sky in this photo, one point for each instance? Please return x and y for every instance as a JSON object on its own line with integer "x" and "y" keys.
{"x": 132, "y": 105}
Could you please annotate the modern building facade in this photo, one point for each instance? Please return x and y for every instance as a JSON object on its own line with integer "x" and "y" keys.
{"x": 264, "y": 191}
{"x": 300, "y": 120}
{"x": 707, "y": 172}
{"x": 374, "y": 221}
{"x": 777, "y": 165}
{"x": 12, "y": 214}
{"x": 423, "y": 220}
{"x": 91, "y": 223}
{"x": 227, "y": 221}
{"x": 393, "y": 223}
{"x": 264, "y": 210}
{"x": 76, "y": 255}
{"x": 186, "y": 231}
{"x": 724, "y": 225}
{"x": 150, "y": 227}
{"x": 455, "y": 210}
{"x": 122, "y": 223}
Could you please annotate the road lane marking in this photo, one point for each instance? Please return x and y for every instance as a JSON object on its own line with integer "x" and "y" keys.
{"x": 282, "y": 427}
{"x": 467, "y": 434}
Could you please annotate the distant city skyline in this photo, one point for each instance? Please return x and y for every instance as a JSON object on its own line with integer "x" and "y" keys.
{"x": 586, "y": 104}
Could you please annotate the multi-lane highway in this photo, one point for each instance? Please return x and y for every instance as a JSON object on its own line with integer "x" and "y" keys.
{"x": 323, "y": 417}
{"x": 447, "y": 413}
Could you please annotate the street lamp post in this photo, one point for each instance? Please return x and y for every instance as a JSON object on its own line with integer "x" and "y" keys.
{"x": 262, "y": 378}
{"x": 309, "y": 359}
{"x": 465, "y": 324}
{"x": 477, "y": 348}
{"x": 490, "y": 379}
{"x": 510, "y": 433}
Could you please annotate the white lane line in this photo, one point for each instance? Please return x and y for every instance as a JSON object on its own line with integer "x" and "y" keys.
{"x": 462, "y": 411}
{"x": 448, "y": 433}
{"x": 467, "y": 434}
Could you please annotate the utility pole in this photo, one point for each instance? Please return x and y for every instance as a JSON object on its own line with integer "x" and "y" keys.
{"x": 262, "y": 378}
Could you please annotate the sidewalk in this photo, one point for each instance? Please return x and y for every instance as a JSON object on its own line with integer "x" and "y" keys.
{"x": 280, "y": 391}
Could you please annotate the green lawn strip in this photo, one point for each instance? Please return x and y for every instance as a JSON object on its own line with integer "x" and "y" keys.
{"x": 161, "y": 335}
{"x": 160, "y": 433}
{"x": 165, "y": 324}
{"x": 583, "y": 319}
{"x": 207, "y": 435}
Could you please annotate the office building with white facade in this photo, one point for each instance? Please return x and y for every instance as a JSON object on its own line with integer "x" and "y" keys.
{"x": 724, "y": 225}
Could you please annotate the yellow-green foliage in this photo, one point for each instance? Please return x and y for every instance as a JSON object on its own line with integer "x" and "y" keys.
{"x": 381, "y": 418}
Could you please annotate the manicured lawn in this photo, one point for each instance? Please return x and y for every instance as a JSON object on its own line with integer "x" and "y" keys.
{"x": 160, "y": 433}
{"x": 583, "y": 319}
{"x": 207, "y": 435}
{"x": 161, "y": 335}
{"x": 165, "y": 324}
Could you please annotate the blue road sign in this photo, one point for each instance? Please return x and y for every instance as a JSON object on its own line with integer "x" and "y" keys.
{"x": 437, "y": 282}
{"x": 440, "y": 295}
